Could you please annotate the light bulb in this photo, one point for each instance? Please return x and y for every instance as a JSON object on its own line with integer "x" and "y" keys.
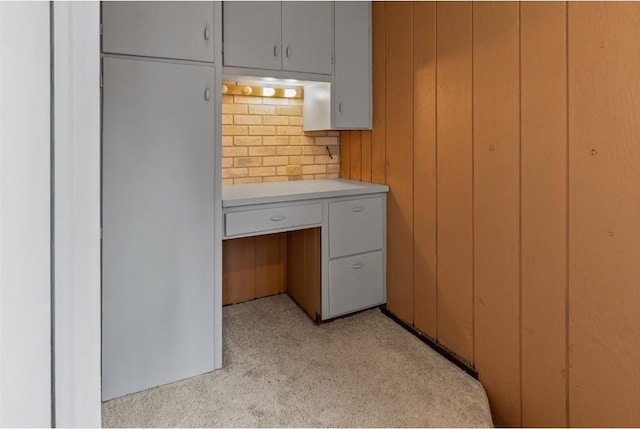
{"x": 289, "y": 92}
{"x": 268, "y": 92}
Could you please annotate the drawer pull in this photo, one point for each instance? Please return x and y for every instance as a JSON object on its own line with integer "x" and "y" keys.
{"x": 357, "y": 265}
{"x": 357, "y": 209}
{"x": 278, "y": 218}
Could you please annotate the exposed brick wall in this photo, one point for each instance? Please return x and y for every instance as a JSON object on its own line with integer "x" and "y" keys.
{"x": 261, "y": 136}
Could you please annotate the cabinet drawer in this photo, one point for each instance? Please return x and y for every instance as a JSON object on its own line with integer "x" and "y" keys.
{"x": 355, "y": 283}
{"x": 355, "y": 226}
{"x": 252, "y": 221}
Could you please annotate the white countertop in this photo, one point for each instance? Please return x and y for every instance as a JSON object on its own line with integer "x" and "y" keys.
{"x": 275, "y": 192}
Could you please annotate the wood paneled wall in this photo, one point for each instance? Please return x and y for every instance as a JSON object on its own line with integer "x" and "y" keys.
{"x": 253, "y": 267}
{"x": 508, "y": 135}
{"x": 604, "y": 213}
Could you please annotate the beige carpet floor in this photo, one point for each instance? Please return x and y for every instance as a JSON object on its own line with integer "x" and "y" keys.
{"x": 281, "y": 370}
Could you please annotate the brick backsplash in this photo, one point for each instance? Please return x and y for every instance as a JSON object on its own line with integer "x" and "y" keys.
{"x": 262, "y": 136}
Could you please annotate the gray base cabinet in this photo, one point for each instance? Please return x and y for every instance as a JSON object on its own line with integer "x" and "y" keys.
{"x": 356, "y": 251}
{"x": 158, "y": 223}
{"x": 352, "y": 219}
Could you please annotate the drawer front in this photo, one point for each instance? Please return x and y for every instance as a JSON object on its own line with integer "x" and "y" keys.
{"x": 252, "y": 221}
{"x": 356, "y": 283}
{"x": 355, "y": 226}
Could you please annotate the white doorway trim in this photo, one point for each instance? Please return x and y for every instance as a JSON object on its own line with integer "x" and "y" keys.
{"x": 25, "y": 215}
{"x": 76, "y": 71}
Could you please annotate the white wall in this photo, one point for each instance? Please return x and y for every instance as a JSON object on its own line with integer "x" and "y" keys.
{"x": 25, "y": 215}
{"x": 77, "y": 213}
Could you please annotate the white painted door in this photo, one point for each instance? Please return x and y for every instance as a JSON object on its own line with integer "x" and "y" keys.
{"x": 252, "y": 34}
{"x": 180, "y": 30}
{"x": 158, "y": 224}
{"x": 352, "y": 75}
{"x": 307, "y": 36}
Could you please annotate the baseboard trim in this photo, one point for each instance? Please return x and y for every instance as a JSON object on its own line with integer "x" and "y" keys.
{"x": 431, "y": 343}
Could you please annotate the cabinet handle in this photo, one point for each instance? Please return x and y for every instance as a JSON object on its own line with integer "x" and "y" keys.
{"x": 207, "y": 94}
{"x": 357, "y": 265}
{"x": 207, "y": 33}
{"x": 288, "y": 52}
{"x": 340, "y": 107}
{"x": 278, "y": 218}
{"x": 357, "y": 209}
{"x": 275, "y": 50}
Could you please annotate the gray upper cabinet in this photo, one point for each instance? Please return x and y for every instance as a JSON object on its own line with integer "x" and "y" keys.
{"x": 347, "y": 103}
{"x": 352, "y": 74}
{"x": 252, "y": 34}
{"x": 283, "y": 36}
{"x": 307, "y": 37}
{"x": 177, "y": 30}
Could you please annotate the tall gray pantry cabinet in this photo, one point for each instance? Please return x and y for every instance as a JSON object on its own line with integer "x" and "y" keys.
{"x": 159, "y": 194}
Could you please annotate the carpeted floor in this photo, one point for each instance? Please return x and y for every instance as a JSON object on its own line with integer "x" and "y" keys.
{"x": 282, "y": 370}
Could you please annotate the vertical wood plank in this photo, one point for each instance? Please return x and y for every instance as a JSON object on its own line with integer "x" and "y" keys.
{"x": 455, "y": 178}
{"x": 497, "y": 205}
{"x": 238, "y": 270}
{"x": 295, "y": 266}
{"x": 303, "y": 270}
{"x": 424, "y": 170}
{"x": 284, "y": 248}
{"x": 356, "y": 155}
{"x": 345, "y": 154}
{"x": 399, "y": 153}
{"x": 366, "y": 156}
{"x": 270, "y": 265}
{"x": 312, "y": 272}
{"x": 544, "y": 215}
{"x": 378, "y": 133}
{"x": 604, "y": 213}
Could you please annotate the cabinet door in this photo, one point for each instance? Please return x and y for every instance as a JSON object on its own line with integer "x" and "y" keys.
{"x": 307, "y": 36}
{"x": 158, "y": 224}
{"x": 181, "y": 30}
{"x": 252, "y": 35}
{"x": 352, "y": 75}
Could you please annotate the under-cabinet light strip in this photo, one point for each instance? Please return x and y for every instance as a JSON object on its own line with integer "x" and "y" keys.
{"x": 229, "y": 88}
